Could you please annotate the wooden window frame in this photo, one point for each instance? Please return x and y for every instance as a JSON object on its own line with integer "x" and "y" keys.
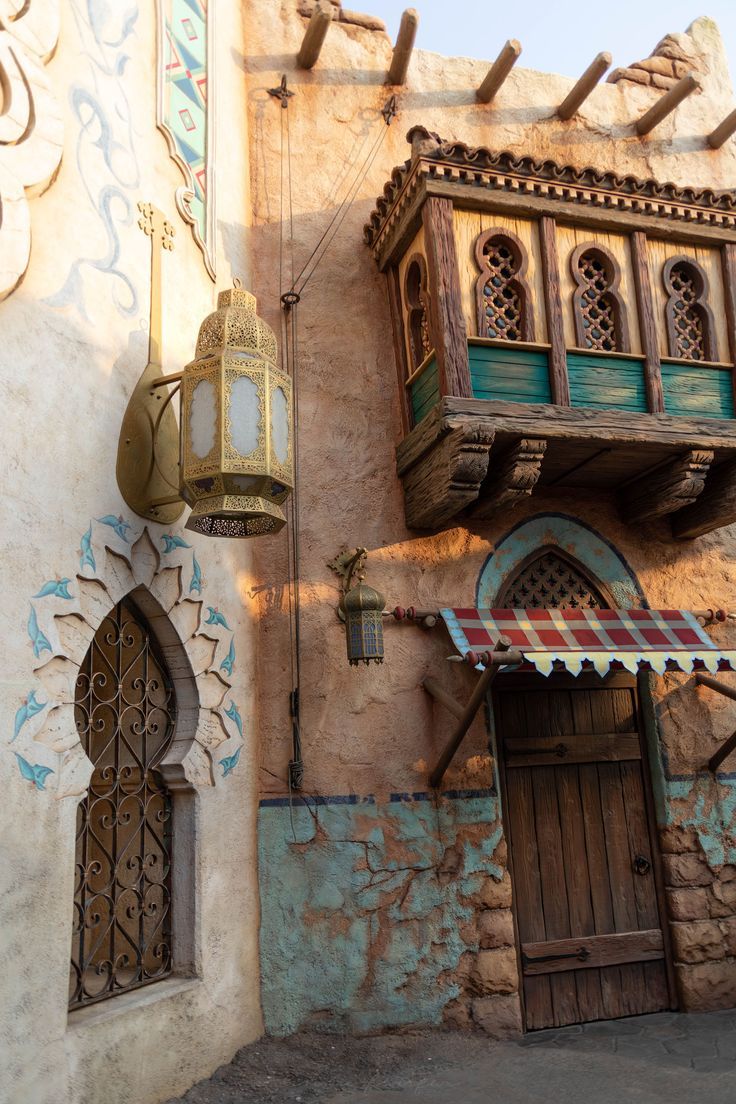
{"x": 710, "y": 343}
{"x": 517, "y": 282}
{"x": 417, "y": 303}
{"x": 613, "y": 272}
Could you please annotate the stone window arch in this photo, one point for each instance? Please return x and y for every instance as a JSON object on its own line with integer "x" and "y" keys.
{"x": 598, "y": 308}
{"x": 689, "y": 319}
{"x": 502, "y": 297}
{"x": 550, "y": 578}
{"x": 416, "y": 297}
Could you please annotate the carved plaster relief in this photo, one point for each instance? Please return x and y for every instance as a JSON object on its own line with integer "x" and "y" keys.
{"x": 185, "y": 111}
{"x": 31, "y": 129}
{"x": 64, "y": 616}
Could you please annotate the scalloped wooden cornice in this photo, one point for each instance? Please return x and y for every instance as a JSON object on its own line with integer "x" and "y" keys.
{"x": 454, "y": 168}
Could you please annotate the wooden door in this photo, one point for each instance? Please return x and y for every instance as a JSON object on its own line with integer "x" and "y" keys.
{"x": 583, "y": 861}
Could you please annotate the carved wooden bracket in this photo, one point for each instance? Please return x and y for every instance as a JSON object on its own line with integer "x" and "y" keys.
{"x": 448, "y": 476}
{"x": 514, "y": 476}
{"x": 667, "y": 490}
{"x": 714, "y": 507}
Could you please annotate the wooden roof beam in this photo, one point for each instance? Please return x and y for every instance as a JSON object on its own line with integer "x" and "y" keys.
{"x": 404, "y": 46}
{"x": 666, "y": 104}
{"x": 499, "y": 71}
{"x": 315, "y": 35}
{"x": 580, "y": 91}
{"x": 723, "y": 131}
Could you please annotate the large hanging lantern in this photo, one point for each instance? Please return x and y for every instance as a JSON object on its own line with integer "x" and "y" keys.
{"x": 236, "y": 425}
{"x": 363, "y": 608}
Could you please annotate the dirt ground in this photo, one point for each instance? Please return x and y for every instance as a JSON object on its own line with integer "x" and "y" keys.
{"x": 668, "y": 1058}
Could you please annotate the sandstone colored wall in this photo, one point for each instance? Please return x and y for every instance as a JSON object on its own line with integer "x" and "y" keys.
{"x": 369, "y": 734}
{"x": 74, "y": 344}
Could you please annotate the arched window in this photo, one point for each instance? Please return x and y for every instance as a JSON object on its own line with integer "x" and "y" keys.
{"x": 548, "y": 578}
{"x": 690, "y": 328}
{"x": 600, "y": 313}
{"x": 416, "y": 296}
{"x": 124, "y": 712}
{"x": 502, "y": 296}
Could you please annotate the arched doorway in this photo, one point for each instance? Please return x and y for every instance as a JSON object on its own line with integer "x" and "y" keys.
{"x": 125, "y": 711}
{"x": 588, "y": 896}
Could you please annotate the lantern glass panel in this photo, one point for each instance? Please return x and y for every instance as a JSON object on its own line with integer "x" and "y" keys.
{"x": 244, "y": 414}
{"x": 203, "y": 419}
{"x": 280, "y": 425}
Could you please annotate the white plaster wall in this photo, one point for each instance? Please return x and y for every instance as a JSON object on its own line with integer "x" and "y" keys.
{"x": 66, "y": 373}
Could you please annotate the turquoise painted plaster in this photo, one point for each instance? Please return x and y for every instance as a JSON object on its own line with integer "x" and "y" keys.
{"x": 575, "y": 538}
{"x": 362, "y": 906}
{"x": 707, "y": 804}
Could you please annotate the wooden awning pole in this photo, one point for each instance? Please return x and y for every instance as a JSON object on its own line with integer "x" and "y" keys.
{"x": 464, "y": 722}
{"x": 714, "y": 684}
{"x": 725, "y": 749}
{"x": 314, "y": 35}
{"x": 667, "y": 103}
{"x": 440, "y": 694}
{"x": 728, "y": 745}
{"x": 403, "y": 48}
{"x": 499, "y": 71}
{"x": 579, "y": 93}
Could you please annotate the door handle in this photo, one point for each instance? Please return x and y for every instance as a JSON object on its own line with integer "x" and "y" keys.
{"x": 641, "y": 865}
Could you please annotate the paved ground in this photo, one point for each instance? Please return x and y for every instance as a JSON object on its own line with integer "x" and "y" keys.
{"x": 664, "y": 1059}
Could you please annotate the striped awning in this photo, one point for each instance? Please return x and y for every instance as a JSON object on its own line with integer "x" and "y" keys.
{"x": 599, "y": 639}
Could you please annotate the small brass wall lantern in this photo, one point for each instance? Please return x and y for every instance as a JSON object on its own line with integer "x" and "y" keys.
{"x": 361, "y": 607}
{"x": 232, "y": 460}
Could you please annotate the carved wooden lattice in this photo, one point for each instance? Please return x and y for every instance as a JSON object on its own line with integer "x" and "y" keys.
{"x": 596, "y": 305}
{"x": 687, "y": 318}
{"x": 501, "y": 300}
{"x": 416, "y": 293}
{"x": 551, "y": 581}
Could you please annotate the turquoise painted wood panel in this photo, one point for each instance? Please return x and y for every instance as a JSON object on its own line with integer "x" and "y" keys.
{"x": 514, "y": 375}
{"x": 425, "y": 392}
{"x": 697, "y": 392}
{"x": 606, "y": 383}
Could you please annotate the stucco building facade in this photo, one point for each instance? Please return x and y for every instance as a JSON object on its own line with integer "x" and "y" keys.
{"x": 344, "y": 892}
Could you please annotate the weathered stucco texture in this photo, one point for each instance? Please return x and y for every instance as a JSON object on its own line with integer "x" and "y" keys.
{"x": 374, "y": 731}
{"x": 74, "y": 345}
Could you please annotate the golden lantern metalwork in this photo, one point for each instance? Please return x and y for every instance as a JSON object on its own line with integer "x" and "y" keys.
{"x": 236, "y": 464}
{"x": 363, "y": 607}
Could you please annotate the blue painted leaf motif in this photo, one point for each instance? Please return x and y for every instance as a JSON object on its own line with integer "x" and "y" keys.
{"x": 86, "y": 555}
{"x": 229, "y": 660}
{"x": 29, "y": 708}
{"x": 38, "y": 640}
{"x": 59, "y": 588}
{"x": 118, "y": 524}
{"x": 195, "y": 584}
{"x": 216, "y": 618}
{"x": 172, "y": 541}
{"x": 230, "y": 762}
{"x": 234, "y": 714}
{"x": 33, "y": 772}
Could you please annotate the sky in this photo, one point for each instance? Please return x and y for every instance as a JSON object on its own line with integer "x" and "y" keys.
{"x": 557, "y": 36}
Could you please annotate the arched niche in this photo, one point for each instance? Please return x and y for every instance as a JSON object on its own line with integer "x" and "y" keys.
{"x": 576, "y": 540}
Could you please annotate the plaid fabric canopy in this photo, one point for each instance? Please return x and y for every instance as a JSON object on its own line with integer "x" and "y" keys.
{"x": 657, "y": 640}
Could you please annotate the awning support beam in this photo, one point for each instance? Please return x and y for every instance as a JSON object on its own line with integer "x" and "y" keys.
{"x": 482, "y": 687}
{"x": 440, "y": 695}
{"x": 728, "y": 745}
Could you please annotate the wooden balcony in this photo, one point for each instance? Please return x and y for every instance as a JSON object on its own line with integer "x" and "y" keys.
{"x": 489, "y": 422}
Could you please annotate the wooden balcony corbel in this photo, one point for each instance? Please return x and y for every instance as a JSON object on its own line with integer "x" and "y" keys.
{"x": 667, "y": 489}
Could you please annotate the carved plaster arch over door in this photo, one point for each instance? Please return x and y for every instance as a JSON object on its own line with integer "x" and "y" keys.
{"x": 576, "y": 540}
{"x": 174, "y": 620}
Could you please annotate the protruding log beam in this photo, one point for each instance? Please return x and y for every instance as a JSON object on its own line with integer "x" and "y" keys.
{"x": 714, "y": 508}
{"x": 647, "y": 323}
{"x": 404, "y": 46}
{"x": 499, "y": 71}
{"x": 666, "y": 490}
{"x": 558, "y": 381}
{"x": 440, "y": 695}
{"x": 579, "y": 93}
{"x": 464, "y": 722}
{"x": 514, "y": 476}
{"x": 723, "y": 131}
{"x": 315, "y": 34}
{"x": 449, "y": 335}
{"x": 666, "y": 104}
